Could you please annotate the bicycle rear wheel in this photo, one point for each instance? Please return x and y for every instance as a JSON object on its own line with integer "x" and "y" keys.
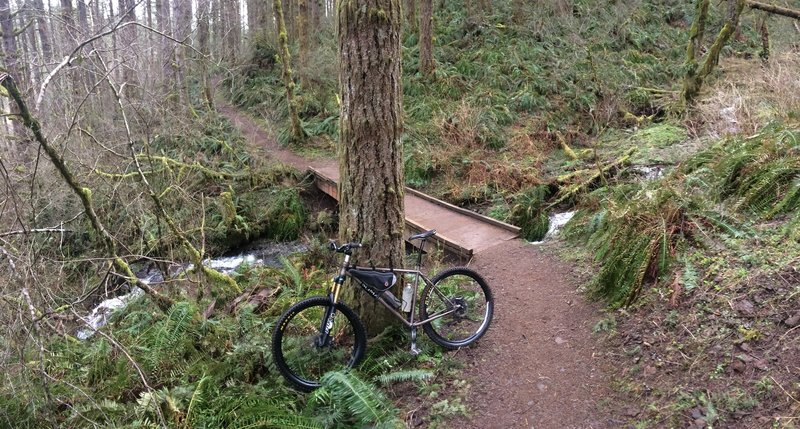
{"x": 302, "y": 353}
{"x": 464, "y": 303}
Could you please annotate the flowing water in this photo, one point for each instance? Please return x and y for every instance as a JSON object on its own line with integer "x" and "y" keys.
{"x": 258, "y": 253}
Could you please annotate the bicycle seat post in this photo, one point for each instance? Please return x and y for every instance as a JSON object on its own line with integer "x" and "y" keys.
{"x": 420, "y": 252}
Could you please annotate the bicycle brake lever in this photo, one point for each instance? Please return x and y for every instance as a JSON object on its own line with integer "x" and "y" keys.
{"x": 332, "y": 245}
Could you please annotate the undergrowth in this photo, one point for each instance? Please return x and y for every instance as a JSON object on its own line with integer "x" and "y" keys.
{"x": 636, "y": 231}
{"x": 192, "y": 367}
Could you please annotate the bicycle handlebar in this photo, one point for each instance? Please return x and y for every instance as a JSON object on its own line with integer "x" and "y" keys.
{"x": 344, "y": 248}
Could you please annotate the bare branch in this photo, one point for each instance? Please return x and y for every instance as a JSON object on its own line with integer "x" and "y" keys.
{"x": 74, "y": 54}
{"x": 35, "y": 231}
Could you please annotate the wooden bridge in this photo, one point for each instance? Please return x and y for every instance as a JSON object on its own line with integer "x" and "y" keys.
{"x": 458, "y": 230}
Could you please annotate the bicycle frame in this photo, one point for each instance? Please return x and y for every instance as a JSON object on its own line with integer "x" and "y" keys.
{"x": 408, "y": 320}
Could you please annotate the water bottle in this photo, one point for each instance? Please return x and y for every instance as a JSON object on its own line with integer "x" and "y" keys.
{"x": 408, "y": 295}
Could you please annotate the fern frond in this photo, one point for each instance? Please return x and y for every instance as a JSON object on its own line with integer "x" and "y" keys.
{"x": 363, "y": 400}
{"x": 405, "y": 375}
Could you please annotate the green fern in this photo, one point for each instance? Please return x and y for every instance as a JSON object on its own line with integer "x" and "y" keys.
{"x": 405, "y": 375}
{"x": 364, "y": 401}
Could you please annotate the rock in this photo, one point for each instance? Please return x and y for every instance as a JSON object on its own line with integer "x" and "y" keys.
{"x": 745, "y": 347}
{"x": 745, "y": 358}
{"x": 700, "y": 423}
{"x": 649, "y": 371}
{"x": 793, "y": 321}
{"x": 745, "y": 307}
{"x": 738, "y": 366}
{"x": 761, "y": 364}
{"x": 631, "y": 412}
{"x": 560, "y": 341}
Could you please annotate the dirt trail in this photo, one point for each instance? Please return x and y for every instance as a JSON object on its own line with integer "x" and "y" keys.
{"x": 537, "y": 367}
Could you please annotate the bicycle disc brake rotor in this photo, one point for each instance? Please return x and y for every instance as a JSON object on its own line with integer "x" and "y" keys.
{"x": 461, "y": 307}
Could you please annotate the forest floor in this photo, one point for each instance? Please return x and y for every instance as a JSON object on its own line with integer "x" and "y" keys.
{"x": 538, "y": 366}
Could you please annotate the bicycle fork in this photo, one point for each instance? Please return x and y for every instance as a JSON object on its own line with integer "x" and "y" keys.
{"x": 324, "y": 338}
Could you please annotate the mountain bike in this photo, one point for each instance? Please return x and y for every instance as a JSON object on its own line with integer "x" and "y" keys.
{"x": 322, "y": 334}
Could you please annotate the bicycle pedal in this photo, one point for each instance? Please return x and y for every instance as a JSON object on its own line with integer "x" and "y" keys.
{"x": 415, "y": 351}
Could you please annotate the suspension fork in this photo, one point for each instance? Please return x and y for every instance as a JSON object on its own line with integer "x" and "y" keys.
{"x": 324, "y": 338}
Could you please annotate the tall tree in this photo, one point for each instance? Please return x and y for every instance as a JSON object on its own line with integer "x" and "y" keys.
{"x": 43, "y": 30}
{"x": 302, "y": 30}
{"x": 203, "y": 40}
{"x": 426, "y": 64}
{"x": 182, "y": 29}
{"x": 127, "y": 9}
{"x": 164, "y": 26}
{"x": 286, "y": 61}
{"x": 411, "y": 15}
{"x": 370, "y": 150}
{"x": 10, "y": 54}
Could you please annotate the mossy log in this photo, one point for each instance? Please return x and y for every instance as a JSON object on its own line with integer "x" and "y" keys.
{"x": 777, "y": 10}
{"x": 595, "y": 175}
{"x": 84, "y": 194}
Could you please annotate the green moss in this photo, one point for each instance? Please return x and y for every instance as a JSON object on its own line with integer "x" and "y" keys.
{"x": 660, "y": 135}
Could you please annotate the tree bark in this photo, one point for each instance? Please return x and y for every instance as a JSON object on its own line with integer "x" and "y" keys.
{"x": 370, "y": 150}
{"x": 127, "y": 37}
{"x": 298, "y": 134}
{"x": 167, "y": 73}
{"x": 203, "y": 39}
{"x": 693, "y": 81}
{"x": 44, "y": 32}
{"x": 183, "y": 27}
{"x": 783, "y": 11}
{"x": 302, "y": 31}
{"x": 410, "y": 9}
{"x": 426, "y": 64}
{"x": 696, "y": 33}
{"x": 11, "y": 57}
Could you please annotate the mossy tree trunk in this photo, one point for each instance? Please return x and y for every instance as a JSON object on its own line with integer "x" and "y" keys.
{"x": 426, "y": 64}
{"x": 371, "y": 151}
{"x": 695, "y": 77}
{"x": 696, "y": 32}
{"x": 283, "y": 41}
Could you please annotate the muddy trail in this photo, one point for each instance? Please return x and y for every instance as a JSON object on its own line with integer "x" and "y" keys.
{"x": 538, "y": 366}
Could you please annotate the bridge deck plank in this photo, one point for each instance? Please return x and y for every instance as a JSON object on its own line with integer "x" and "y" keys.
{"x": 458, "y": 230}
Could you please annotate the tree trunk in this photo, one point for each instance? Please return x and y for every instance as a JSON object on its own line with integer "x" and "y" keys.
{"x": 694, "y": 81}
{"x": 370, "y": 150}
{"x": 426, "y": 64}
{"x": 298, "y": 134}
{"x": 167, "y": 71}
{"x": 44, "y": 32}
{"x": 183, "y": 27}
{"x": 412, "y": 23}
{"x": 302, "y": 31}
{"x": 203, "y": 37}
{"x": 11, "y": 57}
{"x": 127, "y": 37}
{"x": 696, "y": 32}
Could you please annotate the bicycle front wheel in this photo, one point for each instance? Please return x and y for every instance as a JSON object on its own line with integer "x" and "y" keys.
{"x": 461, "y": 304}
{"x": 302, "y": 351}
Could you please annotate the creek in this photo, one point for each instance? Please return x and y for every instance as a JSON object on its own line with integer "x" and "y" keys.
{"x": 258, "y": 253}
